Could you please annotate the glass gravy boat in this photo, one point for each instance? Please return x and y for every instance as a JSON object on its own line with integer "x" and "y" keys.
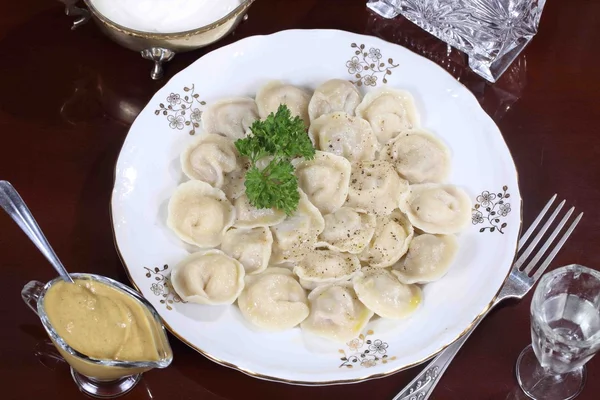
{"x": 102, "y": 378}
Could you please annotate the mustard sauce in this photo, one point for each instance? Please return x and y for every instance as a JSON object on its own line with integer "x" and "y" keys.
{"x": 101, "y": 322}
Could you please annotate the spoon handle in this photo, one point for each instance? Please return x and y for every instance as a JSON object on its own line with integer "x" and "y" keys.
{"x": 14, "y": 206}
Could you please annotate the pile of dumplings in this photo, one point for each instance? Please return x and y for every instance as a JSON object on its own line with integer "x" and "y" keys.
{"x": 374, "y": 222}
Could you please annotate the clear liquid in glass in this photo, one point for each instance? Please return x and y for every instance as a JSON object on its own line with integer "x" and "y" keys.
{"x": 565, "y": 333}
{"x": 570, "y": 318}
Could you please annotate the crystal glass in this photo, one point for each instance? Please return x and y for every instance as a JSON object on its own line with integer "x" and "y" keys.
{"x": 95, "y": 377}
{"x": 565, "y": 333}
{"x": 491, "y": 32}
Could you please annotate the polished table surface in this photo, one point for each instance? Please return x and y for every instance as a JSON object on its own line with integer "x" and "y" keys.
{"x": 67, "y": 99}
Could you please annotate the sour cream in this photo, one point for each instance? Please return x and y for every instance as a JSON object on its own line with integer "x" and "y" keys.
{"x": 165, "y": 16}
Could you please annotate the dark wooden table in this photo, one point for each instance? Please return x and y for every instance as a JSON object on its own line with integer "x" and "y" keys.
{"x": 67, "y": 99}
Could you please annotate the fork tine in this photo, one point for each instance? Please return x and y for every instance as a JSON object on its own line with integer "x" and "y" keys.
{"x": 535, "y": 223}
{"x": 556, "y": 249}
{"x": 548, "y": 242}
{"x": 538, "y": 237}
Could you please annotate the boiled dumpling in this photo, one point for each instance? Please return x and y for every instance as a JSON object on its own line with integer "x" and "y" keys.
{"x": 273, "y": 300}
{"x": 325, "y": 180}
{"x": 428, "y": 259}
{"x": 436, "y": 208}
{"x": 309, "y": 285}
{"x": 327, "y": 266}
{"x": 297, "y": 235}
{"x": 251, "y": 247}
{"x": 348, "y": 230}
{"x": 275, "y": 93}
{"x": 249, "y": 216}
{"x": 393, "y": 234}
{"x": 235, "y": 181}
{"x": 209, "y": 158}
{"x": 230, "y": 117}
{"x": 200, "y": 214}
{"x": 334, "y": 95}
{"x": 418, "y": 156}
{"x": 208, "y": 277}
{"x": 344, "y": 135}
{"x": 287, "y": 265}
{"x": 389, "y": 111}
{"x": 375, "y": 187}
{"x": 336, "y": 313}
{"x": 380, "y": 290}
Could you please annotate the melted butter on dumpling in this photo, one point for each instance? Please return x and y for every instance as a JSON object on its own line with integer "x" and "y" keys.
{"x": 381, "y": 291}
{"x": 200, "y": 214}
{"x": 336, "y": 313}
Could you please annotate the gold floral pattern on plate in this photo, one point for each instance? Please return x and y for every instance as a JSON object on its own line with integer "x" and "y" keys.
{"x": 365, "y": 352}
{"x": 367, "y": 66}
{"x": 162, "y": 286}
{"x": 182, "y": 111}
{"x": 490, "y": 210}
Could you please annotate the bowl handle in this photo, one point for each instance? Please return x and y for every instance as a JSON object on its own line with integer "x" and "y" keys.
{"x": 31, "y": 294}
{"x": 83, "y": 14}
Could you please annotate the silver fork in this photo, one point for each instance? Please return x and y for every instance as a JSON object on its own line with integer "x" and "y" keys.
{"x": 519, "y": 283}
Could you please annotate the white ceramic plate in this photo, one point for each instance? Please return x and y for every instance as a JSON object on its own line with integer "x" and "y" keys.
{"x": 148, "y": 171}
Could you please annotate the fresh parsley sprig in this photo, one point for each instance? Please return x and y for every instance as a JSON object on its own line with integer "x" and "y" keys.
{"x": 284, "y": 138}
{"x": 275, "y": 186}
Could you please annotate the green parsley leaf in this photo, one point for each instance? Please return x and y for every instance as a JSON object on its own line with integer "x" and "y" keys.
{"x": 281, "y": 135}
{"x": 284, "y": 137}
{"x": 275, "y": 186}
{"x": 251, "y": 147}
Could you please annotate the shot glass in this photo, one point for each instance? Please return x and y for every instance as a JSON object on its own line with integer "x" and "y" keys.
{"x": 565, "y": 332}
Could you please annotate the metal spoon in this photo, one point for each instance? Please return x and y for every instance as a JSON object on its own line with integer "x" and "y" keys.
{"x": 14, "y": 205}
